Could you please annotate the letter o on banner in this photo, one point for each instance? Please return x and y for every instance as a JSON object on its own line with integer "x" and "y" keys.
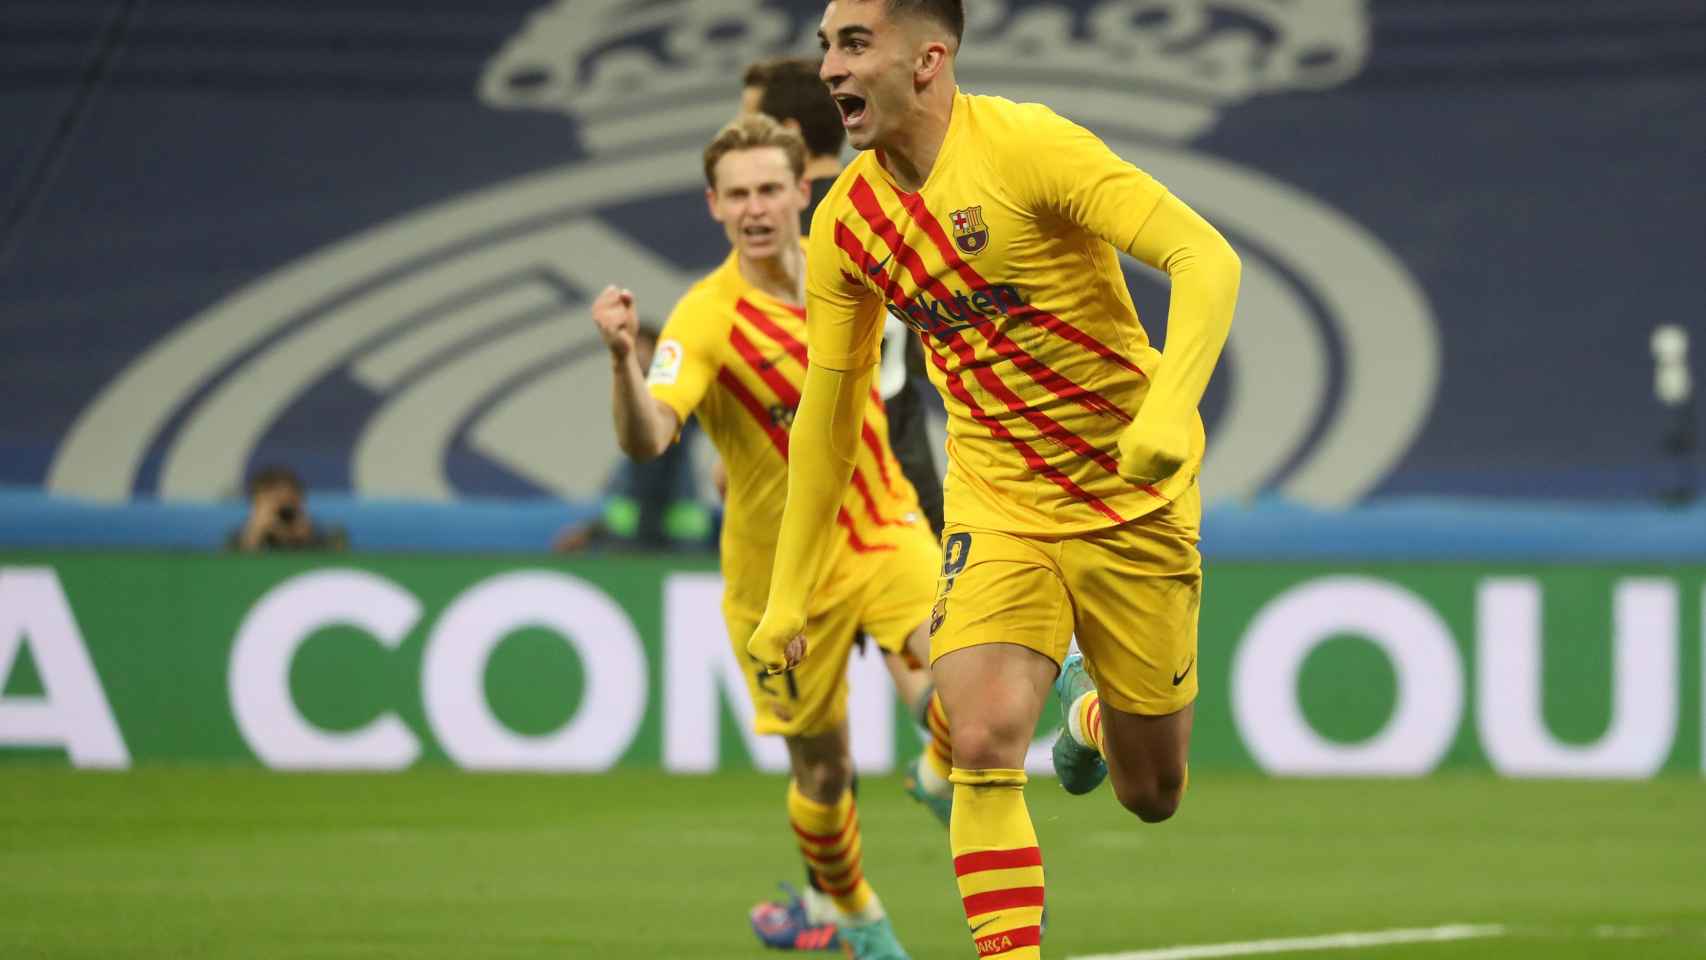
{"x": 1270, "y": 657}
{"x": 600, "y": 633}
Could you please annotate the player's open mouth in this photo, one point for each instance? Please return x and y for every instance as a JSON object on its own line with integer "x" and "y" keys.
{"x": 756, "y": 232}
{"x": 852, "y": 108}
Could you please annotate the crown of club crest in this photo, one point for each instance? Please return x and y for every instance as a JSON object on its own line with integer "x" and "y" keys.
{"x": 638, "y": 70}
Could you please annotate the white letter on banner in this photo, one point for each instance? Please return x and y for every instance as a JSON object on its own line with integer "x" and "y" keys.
{"x": 700, "y": 671}
{"x": 1270, "y": 656}
{"x": 72, "y": 712}
{"x": 1644, "y": 689}
{"x": 259, "y": 677}
{"x": 453, "y": 675}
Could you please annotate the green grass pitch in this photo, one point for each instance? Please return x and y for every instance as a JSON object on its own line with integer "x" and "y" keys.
{"x": 196, "y": 863}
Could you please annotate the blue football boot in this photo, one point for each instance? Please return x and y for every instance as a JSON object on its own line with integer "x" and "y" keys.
{"x": 942, "y": 807}
{"x": 872, "y": 941}
{"x": 785, "y": 925}
{"x": 1079, "y": 768}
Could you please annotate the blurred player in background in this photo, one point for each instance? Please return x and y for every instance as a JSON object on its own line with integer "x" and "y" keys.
{"x": 733, "y": 354}
{"x": 994, "y": 229}
{"x": 790, "y": 90}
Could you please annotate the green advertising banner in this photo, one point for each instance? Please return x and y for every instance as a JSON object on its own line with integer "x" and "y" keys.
{"x": 384, "y": 662}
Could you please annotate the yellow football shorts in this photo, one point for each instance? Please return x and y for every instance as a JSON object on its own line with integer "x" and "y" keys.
{"x": 1130, "y": 593}
{"x": 887, "y": 595}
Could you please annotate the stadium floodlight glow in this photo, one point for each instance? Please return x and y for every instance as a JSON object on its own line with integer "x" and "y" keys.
{"x": 1672, "y": 384}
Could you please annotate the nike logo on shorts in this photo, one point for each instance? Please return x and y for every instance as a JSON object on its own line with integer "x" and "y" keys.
{"x": 1180, "y": 677}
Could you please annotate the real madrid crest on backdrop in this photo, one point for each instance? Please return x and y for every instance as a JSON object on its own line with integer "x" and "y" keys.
{"x": 463, "y": 318}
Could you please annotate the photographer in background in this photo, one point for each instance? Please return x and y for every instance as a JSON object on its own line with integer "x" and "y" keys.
{"x": 278, "y": 517}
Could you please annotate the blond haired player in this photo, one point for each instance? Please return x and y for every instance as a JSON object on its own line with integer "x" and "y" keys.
{"x": 993, "y": 229}
{"x": 733, "y": 354}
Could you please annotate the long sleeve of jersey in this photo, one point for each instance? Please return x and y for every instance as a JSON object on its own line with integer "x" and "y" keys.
{"x": 1083, "y": 182}
{"x": 1205, "y": 275}
{"x": 821, "y": 451}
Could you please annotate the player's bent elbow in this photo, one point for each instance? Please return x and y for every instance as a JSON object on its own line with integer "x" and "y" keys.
{"x": 1224, "y": 263}
{"x": 642, "y": 451}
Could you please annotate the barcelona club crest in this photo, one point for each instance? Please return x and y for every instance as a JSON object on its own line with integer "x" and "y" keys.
{"x": 970, "y": 232}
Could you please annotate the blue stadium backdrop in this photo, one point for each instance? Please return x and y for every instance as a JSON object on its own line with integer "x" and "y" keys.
{"x": 359, "y": 237}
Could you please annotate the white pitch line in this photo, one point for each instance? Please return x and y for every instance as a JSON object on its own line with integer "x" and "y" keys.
{"x": 1331, "y": 941}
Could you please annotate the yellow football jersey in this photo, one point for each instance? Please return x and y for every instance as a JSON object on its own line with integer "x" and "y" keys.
{"x": 736, "y": 358}
{"x": 1004, "y": 263}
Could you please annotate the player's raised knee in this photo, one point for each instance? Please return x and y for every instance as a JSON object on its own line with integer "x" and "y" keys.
{"x": 990, "y": 743}
{"x": 1154, "y": 800}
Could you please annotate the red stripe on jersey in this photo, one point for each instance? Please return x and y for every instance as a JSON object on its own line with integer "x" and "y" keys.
{"x": 986, "y": 377}
{"x": 866, "y": 202}
{"x": 766, "y": 370}
{"x": 996, "y": 944}
{"x": 787, "y": 393}
{"x": 769, "y": 328}
{"x": 914, "y": 205}
{"x": 797, "y": 350}
{"x": 1044, "y": 375}
{"x": 1034, "y": 460}
{"x": 1011, "y": 898}
{"x": 920, "y": 213}
{"x": 858, "y": 545}
{"x": 981, "y": 860}
{"x": 778, "y": 436}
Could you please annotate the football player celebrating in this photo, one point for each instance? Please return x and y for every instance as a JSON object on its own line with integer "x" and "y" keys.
{"x": 733, "y": 354}
{"x": 993, "y": 230}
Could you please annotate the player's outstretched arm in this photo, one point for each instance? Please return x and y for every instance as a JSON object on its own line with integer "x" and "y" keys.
{"x": 821, "y": 449}
{"x": 645, "y": 426}
{"x": 1205, "y": 273}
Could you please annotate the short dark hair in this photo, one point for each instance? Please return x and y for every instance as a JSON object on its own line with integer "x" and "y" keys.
{"x": 274, "y": 475}
{"x": 792, "y": 90}
{"x": 949, "y": 13}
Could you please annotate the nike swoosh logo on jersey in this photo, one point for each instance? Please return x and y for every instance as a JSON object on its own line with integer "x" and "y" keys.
{"x": 880, "y": 264}
{"x": 985, "y": 923}
{"x": 1180, "y": 678}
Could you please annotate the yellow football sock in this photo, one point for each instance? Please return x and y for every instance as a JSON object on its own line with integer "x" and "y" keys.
{"x": 997, "y": 863}
{"x": 828, "y": 834}
{"x": 1086, "y": 722}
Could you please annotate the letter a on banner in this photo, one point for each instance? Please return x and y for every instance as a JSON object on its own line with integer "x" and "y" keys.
{"x": 72, "y": 711}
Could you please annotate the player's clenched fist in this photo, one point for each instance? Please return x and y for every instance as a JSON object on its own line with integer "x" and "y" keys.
{"x": 618, "y": 323}
{"x": 1151, "y": 452}
{"x": 778, "y": 643}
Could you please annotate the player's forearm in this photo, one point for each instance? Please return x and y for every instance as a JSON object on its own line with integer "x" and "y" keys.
{"x": 821, "y": 450}
{"x": 639, "y": 430}
{"x": 1205, "y": 273}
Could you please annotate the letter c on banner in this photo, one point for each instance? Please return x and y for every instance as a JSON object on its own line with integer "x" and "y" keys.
{"x": 453, "y": 674}
{"x": 259, "y": 678}
{"x": 1270, "y": 657}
